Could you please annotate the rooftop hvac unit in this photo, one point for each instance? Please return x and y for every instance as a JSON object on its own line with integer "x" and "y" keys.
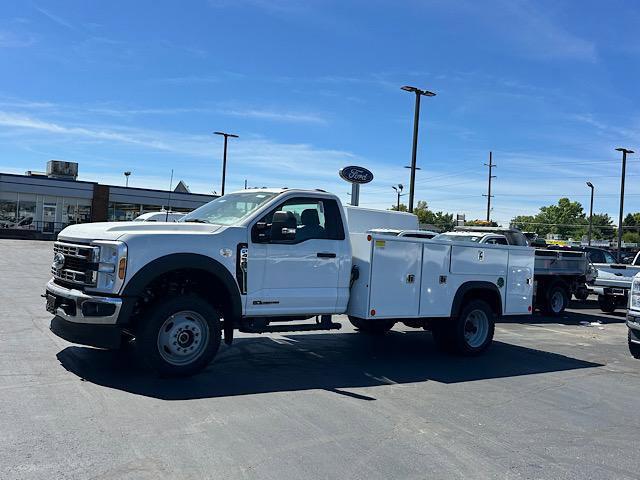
{"x": 61, "y": 169}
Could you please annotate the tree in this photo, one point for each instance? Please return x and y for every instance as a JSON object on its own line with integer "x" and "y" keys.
{"x": 631, "y": 237}
{"x": 403, "y": 208}
{"x": 441, "y": 220}
{"x": 567, "y": 219}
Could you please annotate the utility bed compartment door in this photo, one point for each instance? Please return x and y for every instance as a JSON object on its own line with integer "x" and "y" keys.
{"x": 479, "y": 260}
{"x": 395, "y": 278}
{"x": 436, "y": 298}
{"x": 520, "y": 281}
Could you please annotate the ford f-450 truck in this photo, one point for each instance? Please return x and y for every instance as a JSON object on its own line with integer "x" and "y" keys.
{"x": 272, "y": 260}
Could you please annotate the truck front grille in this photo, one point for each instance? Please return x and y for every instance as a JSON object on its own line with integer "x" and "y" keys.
{"x": 79, "y": 268}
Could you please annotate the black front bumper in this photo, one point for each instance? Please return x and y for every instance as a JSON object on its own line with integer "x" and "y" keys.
{"x": 101, "y": 336}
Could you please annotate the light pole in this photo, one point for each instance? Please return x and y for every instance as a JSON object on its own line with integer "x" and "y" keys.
{"x": 416, "y": 120}
{"x": 624, "y": 151}
{"x": 590, "y": 185}
{"x": 224, "y": 156}
{"x": 398, "y": 188}
{"x": 126, "y": 176}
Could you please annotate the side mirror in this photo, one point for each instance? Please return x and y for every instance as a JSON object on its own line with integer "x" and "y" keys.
{"x": 260, "y": 232}
{"x": 283, "y": 226}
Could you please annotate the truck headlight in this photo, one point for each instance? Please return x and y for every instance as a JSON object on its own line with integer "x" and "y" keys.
{"x": 634, "y": 301}
{"x": 111, "y": 265}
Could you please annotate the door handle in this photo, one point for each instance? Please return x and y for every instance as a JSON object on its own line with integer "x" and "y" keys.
{"x": 326, "y": 255}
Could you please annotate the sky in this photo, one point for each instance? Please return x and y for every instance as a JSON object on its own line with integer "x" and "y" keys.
{"x": 550, "y": 87}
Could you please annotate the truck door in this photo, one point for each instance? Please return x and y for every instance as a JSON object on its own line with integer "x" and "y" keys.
{"x": 296, "y": 272}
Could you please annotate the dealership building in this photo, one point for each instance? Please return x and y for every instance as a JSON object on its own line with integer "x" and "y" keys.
{"x": 46, "y": 202}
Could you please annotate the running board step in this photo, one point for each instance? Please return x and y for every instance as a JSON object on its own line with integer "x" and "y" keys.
{"x": 292, "y": 327}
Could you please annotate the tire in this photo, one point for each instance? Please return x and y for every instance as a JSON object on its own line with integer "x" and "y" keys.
{"x": 581, "y": 295}
{"x": 607, "y": 303}
{"x": 556, "y": 299}
{"x": 470, "y": 333}
{"x": 179, "y": 336}
{"x": 634, "y": 348}
{"x": 372, "y": 327}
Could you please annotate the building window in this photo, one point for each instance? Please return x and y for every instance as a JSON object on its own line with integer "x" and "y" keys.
{"x": 26, "y": 211}
{"x": 8, "y": 209}
{"x": 123, "y": 212}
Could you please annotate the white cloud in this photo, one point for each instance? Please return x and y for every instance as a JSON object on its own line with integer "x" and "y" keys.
{"x": 55, "y": 18}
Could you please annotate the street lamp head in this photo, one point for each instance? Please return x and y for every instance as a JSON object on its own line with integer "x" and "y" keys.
{"x": 126, "y": 174}
{"x": 426, "y": 93}
{"x": 400, "y": 186}
{"x": 226, "y": 134}
{"x": 590, "y": 185}
{"x": 624, "y": 150}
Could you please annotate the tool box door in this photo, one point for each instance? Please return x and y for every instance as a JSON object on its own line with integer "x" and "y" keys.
{"x": 395, "y": 279}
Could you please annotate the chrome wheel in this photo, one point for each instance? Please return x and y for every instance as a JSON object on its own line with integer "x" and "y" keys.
{"x": 476, "y": 328}
{"x": 557, "y": 301}
{"x": 183, "y": 337}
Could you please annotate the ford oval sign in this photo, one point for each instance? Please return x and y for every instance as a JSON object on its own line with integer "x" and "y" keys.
{"x": 355, "y": 174}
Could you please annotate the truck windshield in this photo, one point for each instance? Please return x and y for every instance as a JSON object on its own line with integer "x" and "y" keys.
{"x": 458, "y": 238}
{"x": 229, "y": 209}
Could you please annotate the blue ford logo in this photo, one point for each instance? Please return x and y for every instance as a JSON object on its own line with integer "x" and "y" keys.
{"x": 58, "y": 260}
{"x": 355, "y": 174}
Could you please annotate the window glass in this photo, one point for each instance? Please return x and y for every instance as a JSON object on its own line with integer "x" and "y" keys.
{"x": 26, "y": 211}
{"x": 120, "y": 212}
{"x": 596, "y": 256}
{"x": 229, "y": 209}
{"x": 8, "y": 209}
{"x": 315, "y": 218}
{"x": 608, "y": 258}
{"x": 497, "y": 241}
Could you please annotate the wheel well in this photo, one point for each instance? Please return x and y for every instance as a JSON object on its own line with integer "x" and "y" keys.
{"x": 183, "y": 281}
{"x": 492, "y": 297}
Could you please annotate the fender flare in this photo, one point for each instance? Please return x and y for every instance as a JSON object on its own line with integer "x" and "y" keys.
{"x": 466, "y": 287}
{"x": 178, "y": 261}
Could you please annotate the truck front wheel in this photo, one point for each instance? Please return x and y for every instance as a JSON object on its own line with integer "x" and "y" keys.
{"x": 375, "y": 327}
{"x": 607, "y": 303}
{"x": 179, "y": 336}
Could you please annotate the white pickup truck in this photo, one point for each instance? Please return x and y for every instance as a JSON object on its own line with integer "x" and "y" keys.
{"x": 268, "y": 260}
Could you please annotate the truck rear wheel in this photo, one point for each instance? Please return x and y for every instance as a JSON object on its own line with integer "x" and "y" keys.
{"x": 634, "y": 348}
{"x": 555, "y": 299}
{"x": 374, "y": 327}
{"x": 607, "y": 303}
{"x": 470, "y": 333}
{"x": 179, "y": 336}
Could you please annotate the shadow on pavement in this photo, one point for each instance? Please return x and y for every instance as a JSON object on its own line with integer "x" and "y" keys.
{"x": 570, "y": 317}
{"x": 315, "y": 361}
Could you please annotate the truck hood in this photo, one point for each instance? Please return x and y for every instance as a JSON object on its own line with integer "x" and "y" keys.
{"x": 87, "y": 232}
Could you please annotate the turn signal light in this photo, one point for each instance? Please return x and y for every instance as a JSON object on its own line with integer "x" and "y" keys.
{"x": 373, "y": 312}
{"x": 122, "y": 268}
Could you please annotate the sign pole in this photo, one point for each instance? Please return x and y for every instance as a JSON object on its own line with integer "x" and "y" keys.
{"x": 355, "y": 194}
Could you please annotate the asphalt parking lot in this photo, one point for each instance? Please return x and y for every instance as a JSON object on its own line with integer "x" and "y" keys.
{"x": 552, "y": 399}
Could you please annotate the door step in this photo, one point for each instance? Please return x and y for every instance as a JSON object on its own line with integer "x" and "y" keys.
{"x": 324, "y": 324}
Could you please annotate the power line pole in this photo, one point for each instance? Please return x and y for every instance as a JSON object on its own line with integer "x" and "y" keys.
{"x": 488, "y": 195}
{"x": 624, "y": 151}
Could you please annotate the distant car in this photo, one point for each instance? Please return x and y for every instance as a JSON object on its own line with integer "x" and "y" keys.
{"x": 405, "y": 233}
{"x": 159, "y": 217}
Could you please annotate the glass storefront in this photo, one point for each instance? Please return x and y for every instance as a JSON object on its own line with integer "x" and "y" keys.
{"x": 26, "y": 211}
{"x": 122, "y": 212}
{"x": 8, "y": 208}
